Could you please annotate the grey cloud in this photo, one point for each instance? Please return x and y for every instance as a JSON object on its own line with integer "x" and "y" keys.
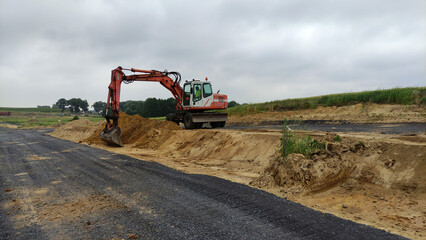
{"x": 254, "y": 51}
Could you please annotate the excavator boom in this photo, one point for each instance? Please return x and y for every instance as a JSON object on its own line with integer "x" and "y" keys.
{"x": 112, "y": 132}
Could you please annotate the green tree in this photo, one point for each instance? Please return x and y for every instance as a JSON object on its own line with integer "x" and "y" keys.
{"x": 122, "y": 106}
{"x": 232, "y": 104}
{"x": 170, "y": 106}
{"x": 74, "y": 105}
{"x": 150, "y": 108}
{"x": 41, "y": 106}
{"x": 62, "y": 104}
{"x": 77, "y": 104}
{"x": 99, "y": 106}
{"x": 132, "y": 107}
{"x": 84, "y": 105}
{"x": 130, "y": 111}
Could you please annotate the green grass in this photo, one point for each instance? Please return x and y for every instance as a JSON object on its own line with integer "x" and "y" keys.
{"x": 158, "y": 118}
{"x": 405, "y": 96}
{"x": 291, "y": 143}
{"x": 30, "y": 122}
{"x": 26, "y": 120}
{"x": 30, "y": 110}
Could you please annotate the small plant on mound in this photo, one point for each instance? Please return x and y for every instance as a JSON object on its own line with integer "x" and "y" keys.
{"x": 75, "y": 118}
{"x": 297, "y": 144}
{"x": 337, "y": 138}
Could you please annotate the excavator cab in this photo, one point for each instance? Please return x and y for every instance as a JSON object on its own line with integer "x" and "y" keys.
{"x": 197, "y": 93}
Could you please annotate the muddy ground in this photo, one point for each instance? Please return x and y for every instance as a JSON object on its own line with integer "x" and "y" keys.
{"x": 371, "y": 178}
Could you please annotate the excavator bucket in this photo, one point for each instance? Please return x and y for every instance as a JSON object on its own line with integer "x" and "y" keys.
{"x": 112, "y": 136}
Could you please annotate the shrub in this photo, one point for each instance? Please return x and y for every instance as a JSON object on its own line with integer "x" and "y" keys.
{"x": 75, "y": 118}
{"x": 337, "y": 138}
{"x": 292, "y": 144}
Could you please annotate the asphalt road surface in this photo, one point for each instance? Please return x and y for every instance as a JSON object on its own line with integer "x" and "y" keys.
{"x": 56, "y": 189}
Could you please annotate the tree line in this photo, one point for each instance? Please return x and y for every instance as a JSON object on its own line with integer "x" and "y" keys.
{"x": 151, "y": 107}
{"x": 75, "y": 105}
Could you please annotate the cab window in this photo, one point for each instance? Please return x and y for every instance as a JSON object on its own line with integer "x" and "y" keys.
{"x": 197, "y": 92}
{"x": 207, "y": 90}
{"x": 186, "y": 94}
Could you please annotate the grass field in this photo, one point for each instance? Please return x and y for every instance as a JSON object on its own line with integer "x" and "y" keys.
{"x": 44, "y": 117}
{"x": 32, "y": 110}
{"x": 403, "y": 96}
{"x": 31, "y": 118}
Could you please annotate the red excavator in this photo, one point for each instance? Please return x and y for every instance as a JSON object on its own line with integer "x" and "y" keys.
{"x": 193, "y": 101}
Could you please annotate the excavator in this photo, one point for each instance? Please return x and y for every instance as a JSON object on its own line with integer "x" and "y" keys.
{"x": 194, "y": 101}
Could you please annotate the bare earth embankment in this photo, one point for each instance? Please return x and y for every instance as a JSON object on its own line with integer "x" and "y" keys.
{"x": 371, "y": 178}
{"x": 359, "y": 113}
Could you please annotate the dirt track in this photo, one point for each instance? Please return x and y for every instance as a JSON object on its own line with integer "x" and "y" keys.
{"x": 58, "y": 189}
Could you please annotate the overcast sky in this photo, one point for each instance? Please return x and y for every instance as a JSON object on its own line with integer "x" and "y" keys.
{"x": 254, "y": 51}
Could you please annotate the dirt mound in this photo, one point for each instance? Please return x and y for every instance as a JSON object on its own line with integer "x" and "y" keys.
{"x": 254, "y": 148}
{"x": 138, "y": 131}
{"x": 77, "y": 130}
{"x": 350, "y": 162}
{"x": 135, "y": 130}
{"x": 324, "y": 169}
{"x": 358, "y": 113}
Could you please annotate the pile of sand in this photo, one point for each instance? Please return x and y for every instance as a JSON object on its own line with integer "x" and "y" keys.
{"x": 351, "y": 162}
{"x": 77, "y": 130}
{"x": 324, "y": 169}
{"x": 137, "y": 130}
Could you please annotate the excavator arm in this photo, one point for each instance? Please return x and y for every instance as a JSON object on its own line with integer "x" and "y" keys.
{"x": 111, "y": 133}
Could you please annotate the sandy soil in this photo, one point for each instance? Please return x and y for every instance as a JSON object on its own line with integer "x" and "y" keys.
{"x": 370, "y": 178}
{"x": 359, "y": 113}
{"x": 43, "y": 205}
{"x": 7, "y": 125}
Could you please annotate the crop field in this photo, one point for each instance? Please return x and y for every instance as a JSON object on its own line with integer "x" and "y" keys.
{"x": 33, "y": 117}
{"x": 401, "y": 96}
